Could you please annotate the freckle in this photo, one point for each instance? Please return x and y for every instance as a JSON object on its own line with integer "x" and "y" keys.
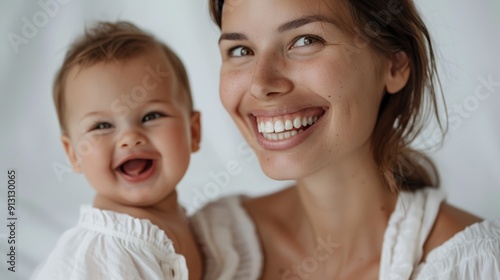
{"x": 382, "y": 208}
{"x": 329, "y": 96}
{"x": 337, "y": 135}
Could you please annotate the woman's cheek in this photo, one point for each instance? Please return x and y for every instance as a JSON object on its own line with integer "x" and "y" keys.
{"x": 231, "y": 89}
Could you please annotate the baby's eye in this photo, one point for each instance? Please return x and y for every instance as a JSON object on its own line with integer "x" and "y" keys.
{"x": 152, "y": 116}
{"x": 101, "y": 126}
{"x": 307, "y": 40}
{"x": 240, "y": 51}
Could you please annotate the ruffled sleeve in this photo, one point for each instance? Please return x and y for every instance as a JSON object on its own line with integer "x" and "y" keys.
{"x": 108, "y": 245}
{"x": 229, "y": 241}
{"x": 473, "y": 253}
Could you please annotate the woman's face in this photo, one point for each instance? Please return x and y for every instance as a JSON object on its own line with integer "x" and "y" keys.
{"x": 303, "y": 92}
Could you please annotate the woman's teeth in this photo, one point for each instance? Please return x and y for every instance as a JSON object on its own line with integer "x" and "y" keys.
{"x": 284, "y": 128}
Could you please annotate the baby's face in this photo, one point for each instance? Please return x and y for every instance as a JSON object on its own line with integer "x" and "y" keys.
{"x": 129, "y": 128}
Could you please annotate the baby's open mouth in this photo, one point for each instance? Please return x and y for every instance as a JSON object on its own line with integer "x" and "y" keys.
{"x": 136, "y": 167}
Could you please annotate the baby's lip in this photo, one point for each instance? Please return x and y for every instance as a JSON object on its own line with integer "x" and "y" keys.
{"x": 132, "y": 156}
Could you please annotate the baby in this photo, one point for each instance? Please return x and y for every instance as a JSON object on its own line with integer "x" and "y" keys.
{"x": 126, "y": 114}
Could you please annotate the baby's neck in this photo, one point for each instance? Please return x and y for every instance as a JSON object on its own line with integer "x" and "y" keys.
{"x": 165, "y": 214}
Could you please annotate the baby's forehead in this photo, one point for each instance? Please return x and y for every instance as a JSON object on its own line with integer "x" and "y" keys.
{"x": 136, "y": 77}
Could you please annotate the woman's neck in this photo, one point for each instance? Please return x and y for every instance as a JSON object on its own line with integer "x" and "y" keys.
{"x": 349, "y": 205}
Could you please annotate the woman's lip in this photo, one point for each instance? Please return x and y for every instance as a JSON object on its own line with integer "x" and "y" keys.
{"x": 141, "y": 177}
{"x": 285, "y": 143}
{"x": 276, "y": 112}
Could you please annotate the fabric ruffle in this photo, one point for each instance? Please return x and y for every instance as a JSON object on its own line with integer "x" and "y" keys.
{"x": 229, "y": 240}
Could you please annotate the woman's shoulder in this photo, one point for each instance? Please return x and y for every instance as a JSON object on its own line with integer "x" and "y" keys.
{"x": 471, "y": 253}
{"x": 449, "y": 222}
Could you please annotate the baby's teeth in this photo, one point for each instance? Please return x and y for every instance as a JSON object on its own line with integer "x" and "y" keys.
{"x": 288, "y": 134}
{"x": 294, "y": 132}
{"x": 297, "y": 123}
{"x": 315, "y": 119}
{"x": 279, "y": 126}
{"x": 310, "y": 121}
{"x": 269, "y": 127}
{"x": 304, "y": 121}
{"x": 288, "y": 125}
{"x": 281, "y": 136}
{"x": 274, "y": 136}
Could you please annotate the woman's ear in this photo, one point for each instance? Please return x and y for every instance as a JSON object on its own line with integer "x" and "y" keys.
{"x": 398, "y": 72}
{"x": 70, "y": 152}
{"x": 195, "y": 131}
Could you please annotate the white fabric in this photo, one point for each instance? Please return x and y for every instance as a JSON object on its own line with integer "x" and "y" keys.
{"x": 229, "y": 240}
{"x": 109, "y": 245}
{"x": 230, "y": 243}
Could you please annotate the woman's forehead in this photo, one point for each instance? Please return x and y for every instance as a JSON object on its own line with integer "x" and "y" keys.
{"x": 275, "y": 13}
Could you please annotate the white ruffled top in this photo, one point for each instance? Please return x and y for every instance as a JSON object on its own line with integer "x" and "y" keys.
{"x": 229, "y": 240}
{"x": 109, "y": 245}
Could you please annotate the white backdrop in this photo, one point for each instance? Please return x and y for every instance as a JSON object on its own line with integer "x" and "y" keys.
{"x": 466, "y": 36}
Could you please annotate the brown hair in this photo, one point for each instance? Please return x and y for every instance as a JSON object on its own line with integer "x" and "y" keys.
{"x": 106, "y": 42}
{"x": 391, "y": 26}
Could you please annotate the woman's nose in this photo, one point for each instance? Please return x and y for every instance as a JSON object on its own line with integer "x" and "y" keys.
{"x": 269, "y": 77}
{"x": 131, "y": 138}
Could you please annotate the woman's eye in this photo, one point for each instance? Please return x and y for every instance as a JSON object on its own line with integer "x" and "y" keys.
{"x": 240, "y": 51}
{"x": 152, "y": 116}
{"x": 306, "y": 40}
{"x": 101, "y": 126}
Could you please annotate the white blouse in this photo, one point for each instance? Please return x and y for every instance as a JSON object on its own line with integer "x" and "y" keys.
{"x": 229, "y": 240}
{"x": 109, "y": 245}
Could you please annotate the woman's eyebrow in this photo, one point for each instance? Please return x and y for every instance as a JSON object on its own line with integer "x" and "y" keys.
{"x": 233, "y": 37}
{"x": 296, "y": 23}
{"x": 287, "y": 26}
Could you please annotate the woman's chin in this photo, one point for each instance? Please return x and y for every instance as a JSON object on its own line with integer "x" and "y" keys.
{"x": 280, "y": 170}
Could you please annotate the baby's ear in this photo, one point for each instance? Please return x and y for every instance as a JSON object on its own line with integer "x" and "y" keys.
{"x": 70, "y": 152}
{"x": 195, "y": 131}
{"x": 398, "y": 72}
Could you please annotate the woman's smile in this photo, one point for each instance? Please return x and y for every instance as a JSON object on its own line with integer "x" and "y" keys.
{"x": 276, "y": 131}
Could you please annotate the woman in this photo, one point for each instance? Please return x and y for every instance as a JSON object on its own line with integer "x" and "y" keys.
{"x": 331, "y": 94}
